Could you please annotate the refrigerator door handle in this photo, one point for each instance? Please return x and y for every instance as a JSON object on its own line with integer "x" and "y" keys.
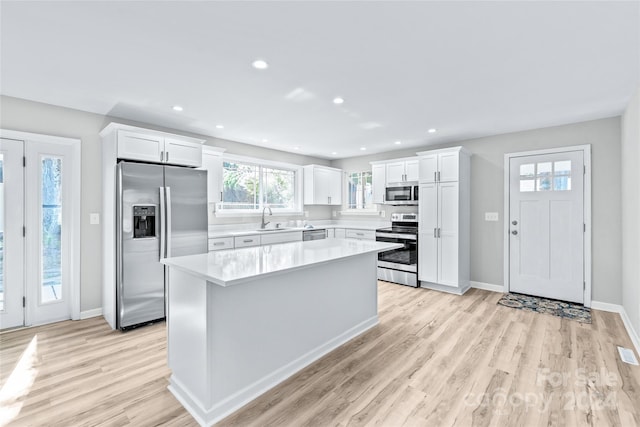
{"x": 163, "y": 225}
{"x": 119, "y": 252}
{"x": 168, "y": 229}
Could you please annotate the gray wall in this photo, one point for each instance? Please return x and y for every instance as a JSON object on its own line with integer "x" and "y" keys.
{"x": 27, "y": 116}
{"x": 487, "y": 192}
{"x": 631, "y": 211}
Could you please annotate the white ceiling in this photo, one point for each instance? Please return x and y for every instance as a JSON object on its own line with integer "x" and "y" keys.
{"x": 468, "y": 69}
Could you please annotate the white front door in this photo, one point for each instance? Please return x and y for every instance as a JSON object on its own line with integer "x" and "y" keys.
{"x": 546, "y": 225}
{"x": 11, "y": 233}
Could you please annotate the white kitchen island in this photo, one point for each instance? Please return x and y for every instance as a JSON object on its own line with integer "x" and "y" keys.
{"x": 240, "y": 321}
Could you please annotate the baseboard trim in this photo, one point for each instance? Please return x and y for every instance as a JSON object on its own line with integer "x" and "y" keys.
{"x": 90, "y": 313}
{"x": 616, "y": 308}
{"x": 444, "y": 288}
{"x": 487, "y": 286}
{"x": 209, "y": 416}
{"x": 606, "y": 306}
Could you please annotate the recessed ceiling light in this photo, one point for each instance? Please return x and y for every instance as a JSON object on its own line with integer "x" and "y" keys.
{"x": 398, "y": 142}
{"x": 259, "y": 64}
{"x": 219, "y": 127}
{"x": 363, "y": 148}
{"x": 265, "y": 140}
{"x": 177, "y": 108}
{"x": 338, "y": 100}
{"x": 431, "y": 130}
{"x": 296, "y": 148}
{"x": 334, "y": 153}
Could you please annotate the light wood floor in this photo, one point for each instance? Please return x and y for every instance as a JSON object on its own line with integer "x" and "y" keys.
{"x": 435, "y": 359}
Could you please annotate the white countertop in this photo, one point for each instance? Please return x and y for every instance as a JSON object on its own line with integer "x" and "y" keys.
{"x": 234, "y": 266}
{"x": 233, "y": 230}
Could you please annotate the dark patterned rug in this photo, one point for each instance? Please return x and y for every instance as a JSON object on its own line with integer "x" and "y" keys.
{"x": 568, "y": 310}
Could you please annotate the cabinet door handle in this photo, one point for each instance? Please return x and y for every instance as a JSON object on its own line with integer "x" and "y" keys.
{"x": 221, "y": 196}
{"x": 435, "y": 233}
{"x": 218, "y": 243}
{"x": 439, "y": 232}
{"x": 247, "y": 241}
{"x": 438, "y": 176}
{"x": 162, "y": 156}
{"x": 435, "y": 176}
{"x": 166, "y": 156}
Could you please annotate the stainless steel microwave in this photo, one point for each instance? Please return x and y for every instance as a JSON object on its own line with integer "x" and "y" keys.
{"x": 404, "y": 193}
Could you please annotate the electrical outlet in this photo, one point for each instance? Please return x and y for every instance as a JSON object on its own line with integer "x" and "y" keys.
{"x": 94, "y": 218}
{"x": 491, "y": 216}
{"x": 306, "y": 214}
{"x": 383, "y": 213}
{"x": 335, "y": 213}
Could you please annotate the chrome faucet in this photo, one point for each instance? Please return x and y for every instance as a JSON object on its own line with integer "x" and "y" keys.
{"x": 264, "y": 224}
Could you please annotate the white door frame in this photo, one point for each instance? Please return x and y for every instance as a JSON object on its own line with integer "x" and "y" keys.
{"x": 586, "y": 150}
{"x": 75, "y": 221}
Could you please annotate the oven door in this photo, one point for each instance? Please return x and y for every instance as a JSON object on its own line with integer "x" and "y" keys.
{"x": 404, "y": 258}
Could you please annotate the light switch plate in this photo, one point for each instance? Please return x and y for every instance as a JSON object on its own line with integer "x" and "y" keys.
{"x": 94, "y": 218}
{"x": 491, "y": 216}
{"x": 306, "y": 214}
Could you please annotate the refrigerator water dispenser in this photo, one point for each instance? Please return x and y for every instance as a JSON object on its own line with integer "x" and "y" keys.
{"x": 144, "y": 221}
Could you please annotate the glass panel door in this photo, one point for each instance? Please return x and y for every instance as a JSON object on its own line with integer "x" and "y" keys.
{"x": 11, "y": 237}
{"x": 51, "y": 230}
{"x": 49, "y": 219}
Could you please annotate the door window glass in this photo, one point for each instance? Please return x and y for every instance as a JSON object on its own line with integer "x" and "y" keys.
{"x": 546, "y": 176}
{"x": 51, "y": 226}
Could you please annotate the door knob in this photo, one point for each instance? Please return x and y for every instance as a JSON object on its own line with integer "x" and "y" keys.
{"x": 514, "y": 232}
{"x": 514, "y": 222}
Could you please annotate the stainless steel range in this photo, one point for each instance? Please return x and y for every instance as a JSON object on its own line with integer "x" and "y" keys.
{"x": 400, "y": 265}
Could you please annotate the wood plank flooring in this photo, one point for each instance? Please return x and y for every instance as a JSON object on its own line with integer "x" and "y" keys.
{"x": 434, "y": 360}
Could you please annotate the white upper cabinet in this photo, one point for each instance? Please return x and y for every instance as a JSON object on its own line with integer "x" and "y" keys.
{"x": 378, "y": 182}
{"x": 402, "y": 170}
{"x": 322, "y": 185}
{"x": 212, "y": 163}
{"x": 138, "y": 146}
{"x": 395, "y": 172}
{"x": 147, "y": 145}
{"x": 412, "y": 170}
{"x": 440, "y": 165}
{"x": 180, "y": 152}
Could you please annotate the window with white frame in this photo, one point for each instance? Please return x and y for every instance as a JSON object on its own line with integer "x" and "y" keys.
{"x": 249, "y": 185}
{"x": 359, "y": 191}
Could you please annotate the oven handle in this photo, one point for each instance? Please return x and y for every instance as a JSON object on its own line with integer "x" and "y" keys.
{"x": 397, "y": 236}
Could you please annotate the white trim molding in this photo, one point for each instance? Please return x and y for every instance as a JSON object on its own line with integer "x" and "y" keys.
{"x": 74, "y": 220}
{"x": 586, "y": 150}
{"x": 615, "y": 308}
{"x": 487, "y": 286}
{"x": 87, "y": 314}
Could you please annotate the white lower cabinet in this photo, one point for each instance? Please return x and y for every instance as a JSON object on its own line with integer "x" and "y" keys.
{"x": 246, "y": 241}
{"x": 269, "y": 238}
{"x": 339, "y": 233}
{"x": 220, "y": 243}
{"x": 444, "y": 239}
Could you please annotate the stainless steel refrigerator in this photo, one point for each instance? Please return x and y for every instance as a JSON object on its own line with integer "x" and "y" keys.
{"x": 161, "y": 212}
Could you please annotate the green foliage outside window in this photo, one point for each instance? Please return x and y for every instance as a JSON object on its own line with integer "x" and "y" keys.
{"x": 251, "y": 187}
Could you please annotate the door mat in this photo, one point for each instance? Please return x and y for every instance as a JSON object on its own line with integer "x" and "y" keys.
{"x": 557, "y": 308}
